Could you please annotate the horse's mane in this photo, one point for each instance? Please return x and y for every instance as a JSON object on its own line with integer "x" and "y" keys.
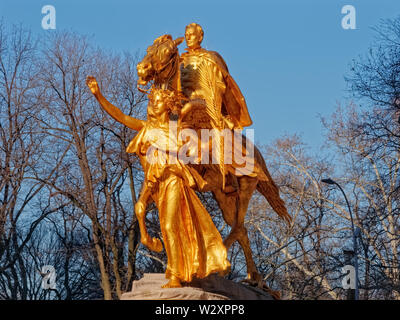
{"x": 162, "y": 38}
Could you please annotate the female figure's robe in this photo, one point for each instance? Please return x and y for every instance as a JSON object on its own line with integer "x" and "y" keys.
{"x": 193, "y": 244}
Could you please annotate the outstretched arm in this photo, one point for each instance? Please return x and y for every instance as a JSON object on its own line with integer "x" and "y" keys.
{"x": 113, "y": 111}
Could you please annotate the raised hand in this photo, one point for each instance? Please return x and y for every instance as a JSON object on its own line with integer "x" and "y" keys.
{"x": 91, "y": 82}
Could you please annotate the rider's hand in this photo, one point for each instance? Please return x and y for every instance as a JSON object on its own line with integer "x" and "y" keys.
{"x": 91, "y": 82}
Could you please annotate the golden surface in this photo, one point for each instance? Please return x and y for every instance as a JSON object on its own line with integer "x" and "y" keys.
{"x": 205, "y": 78}
{"x": 193, "y": 245}
{"x": 199, "y": 89}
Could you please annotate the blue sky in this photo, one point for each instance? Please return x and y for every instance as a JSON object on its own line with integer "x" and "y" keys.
{"x": 288, "y": 56}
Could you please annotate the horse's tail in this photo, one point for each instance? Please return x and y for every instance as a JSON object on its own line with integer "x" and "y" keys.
{"x": 270, "y": 190}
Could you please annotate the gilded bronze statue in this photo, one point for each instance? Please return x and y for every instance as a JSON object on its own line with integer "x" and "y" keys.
{"x": 186, "y": 226}
{"x": 198, "y": 89}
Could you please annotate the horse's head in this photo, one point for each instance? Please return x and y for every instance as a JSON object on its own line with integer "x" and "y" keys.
{"x": 158, "y": 59}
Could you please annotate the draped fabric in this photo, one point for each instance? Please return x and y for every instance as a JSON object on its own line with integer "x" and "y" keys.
{"x": 193, "y": 244}
{"x": 232, "y": 104}
{"x": 205, "y": 77}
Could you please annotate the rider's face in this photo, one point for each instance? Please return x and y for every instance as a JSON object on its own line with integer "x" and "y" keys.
{"x": 193, "y": 37}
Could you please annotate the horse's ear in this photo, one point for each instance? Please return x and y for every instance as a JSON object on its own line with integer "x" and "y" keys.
{"x": 178, "y": 41}
{"x": 162, "y": 38}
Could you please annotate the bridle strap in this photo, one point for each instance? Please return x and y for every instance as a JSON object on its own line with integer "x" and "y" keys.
{"x": 173, "y": 58}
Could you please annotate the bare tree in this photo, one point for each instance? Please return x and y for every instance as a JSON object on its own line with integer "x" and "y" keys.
{"x": 304, "y": 262}
{"x": 97, "y": 176}
{"x": 374, "y": 80}
{"x": 373, "y": 178}
{"x": 21, "y": 156}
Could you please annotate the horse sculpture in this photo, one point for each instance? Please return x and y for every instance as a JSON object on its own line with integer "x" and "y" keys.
{"x": 161, "y": 65}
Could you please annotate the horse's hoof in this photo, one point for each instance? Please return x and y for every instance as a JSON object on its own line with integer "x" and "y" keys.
{"x": 276, "y": 295}
{"x": 255, "y": 277}
{"x": 250, "y": 282}
{"x": 152, "y": 244}
{"x": 156, "y": 245}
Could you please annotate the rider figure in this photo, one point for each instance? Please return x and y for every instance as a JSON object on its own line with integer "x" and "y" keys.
{"x": 205, "y": 79}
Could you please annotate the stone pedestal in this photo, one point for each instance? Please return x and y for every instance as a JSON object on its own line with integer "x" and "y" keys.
{"x": 210, "y": 288}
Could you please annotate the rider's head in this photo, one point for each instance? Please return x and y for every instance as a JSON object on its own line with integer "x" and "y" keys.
{"x": 194, "y": 35}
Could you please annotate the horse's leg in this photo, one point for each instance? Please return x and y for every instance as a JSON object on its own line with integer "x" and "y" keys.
{"x": 234, "y": 211}
{"x": 247, "y": 186}
{"x": 228, "y": 206}
{"x": 153, "y": 244}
